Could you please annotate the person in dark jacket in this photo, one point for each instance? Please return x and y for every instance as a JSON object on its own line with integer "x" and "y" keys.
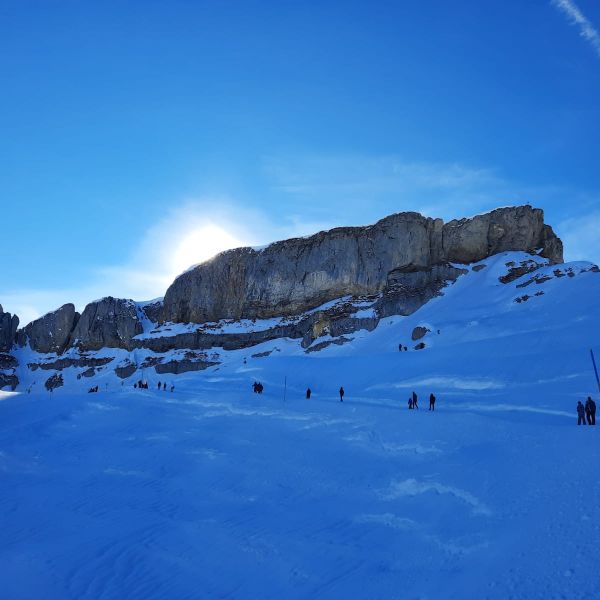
{"x": 580, "y": 413}
{"x": 414, "y": 399}
{"x": 431, "y": 402}
{"x": 342, "y": 394}
{"x": 308, "y": 393}
{"x": 590, "y": 411}
{"x": 159, "y": 384}
{"x": 410, "y": 403}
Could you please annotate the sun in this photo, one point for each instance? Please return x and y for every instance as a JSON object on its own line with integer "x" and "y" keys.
{"x": 200, "y": 244}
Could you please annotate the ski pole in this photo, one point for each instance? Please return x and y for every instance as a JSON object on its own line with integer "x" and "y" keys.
{"x": 595, "y": 369}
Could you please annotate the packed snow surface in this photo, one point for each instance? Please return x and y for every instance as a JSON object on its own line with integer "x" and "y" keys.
{"x": 212, "y": 491}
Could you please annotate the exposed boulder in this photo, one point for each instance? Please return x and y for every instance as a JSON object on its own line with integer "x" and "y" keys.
{"x": 54, "y": 381}
{"x": 8, "y": 330}
{"x": 296, "y": 275}
{"x": 419, "y": 332}
{"x": 8, "y": 380}
{"x": 124, "y": 370}
{"x": 107, "y": 323}
{"x": 183, "y": 366}
{"x": 50, "y": 333}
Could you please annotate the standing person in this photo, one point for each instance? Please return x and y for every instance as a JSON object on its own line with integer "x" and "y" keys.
{"x": 342, "y": 394}
{"x": 580, "y": 413}
{"x": 159, "y": 384}
{"x": 172, "y": 387}
{"x": 414, "y": 399}
{"x": 308, "y": 393}
{"x": 431, "y": 402}
{"x": 410, "y": 403}
{"x": 164, "y": 386}
{"x": 590, "y": 411}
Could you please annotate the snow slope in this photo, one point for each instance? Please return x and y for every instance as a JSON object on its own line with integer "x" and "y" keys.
{"x": 214, "y": 492}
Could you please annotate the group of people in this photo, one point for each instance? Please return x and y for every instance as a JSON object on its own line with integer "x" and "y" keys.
{"x": 143, "y": 385}
{"x": 413, "y": 402}
{"x": 164, "y": 386}
{"x": 586, "y": 412}
{"x": 258, "y": 387}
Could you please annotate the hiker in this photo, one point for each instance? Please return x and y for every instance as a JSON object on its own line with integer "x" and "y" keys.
{"x": 590, "y": 411}
{"x": 414, "y": 399}
{"x": 580, "y": 413}
{"x": 410, "y": 406}
{"x": 342, "y": 394}
{"x": 431, "y": 402}
{"x": 308, "y": 393}
{"x": 159, "y": 384}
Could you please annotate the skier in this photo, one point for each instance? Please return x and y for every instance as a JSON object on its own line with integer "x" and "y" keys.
{"x": 414, "y": 399}
{"x": 308, "y": 393}
{"x": 342, "y": 394}
{"x": 590, "y": 411}
{"x": 431, "y": 402}
{"x": 580, "y": 413}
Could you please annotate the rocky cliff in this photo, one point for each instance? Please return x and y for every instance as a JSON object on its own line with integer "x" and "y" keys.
{"x": 52, "y": 332}
{"x": 8, "y": 363}
{"x": 295, "y": 275}
{"x": 390, "y": 268}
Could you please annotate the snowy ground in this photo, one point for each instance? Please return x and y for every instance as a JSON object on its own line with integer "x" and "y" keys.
{"x": 215, "y": 492}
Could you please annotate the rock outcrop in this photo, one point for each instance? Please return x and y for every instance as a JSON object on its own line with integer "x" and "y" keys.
{"x": 52, "y": 332}
{"x": 8, "y": 330}
{"x": 107, "y": 323}
{"x": 296, "y": 275}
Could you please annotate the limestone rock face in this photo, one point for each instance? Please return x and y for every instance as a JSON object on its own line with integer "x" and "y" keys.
{"x": 107, "y": 323}
{"x": 296, "y": 275}
{"x": 8, "y": 330}
{"x": 503, "y": 229}
{"x": 50, "y": 333}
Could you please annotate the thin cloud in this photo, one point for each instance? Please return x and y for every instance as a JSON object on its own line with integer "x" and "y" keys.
{"x": 374, "y": 187}
{"x": 578, "y": 19}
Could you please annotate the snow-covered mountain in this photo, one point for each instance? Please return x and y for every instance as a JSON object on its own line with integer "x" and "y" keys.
{"x": 320, "y": 290}
{"x": 213, "y": 491}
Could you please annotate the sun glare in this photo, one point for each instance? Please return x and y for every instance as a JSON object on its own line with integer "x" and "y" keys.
{"x": 201, "y": 244}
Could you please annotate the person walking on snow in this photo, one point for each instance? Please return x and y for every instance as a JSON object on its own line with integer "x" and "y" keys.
{"x": 341, "y": 394}
{"x": 590, "y": 411}
{"x": 431, "y": 402}
{"x": 414, "y": 399}
{"x": 580, "y": 413}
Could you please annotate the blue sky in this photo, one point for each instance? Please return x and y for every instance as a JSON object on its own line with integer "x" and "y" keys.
{"x": 133, "y": 132}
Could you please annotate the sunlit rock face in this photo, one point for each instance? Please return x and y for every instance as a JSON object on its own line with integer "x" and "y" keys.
{"x": 107, "y": 323}
{"x": 50, "y": 333}
{"x": 295, "y": 275}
